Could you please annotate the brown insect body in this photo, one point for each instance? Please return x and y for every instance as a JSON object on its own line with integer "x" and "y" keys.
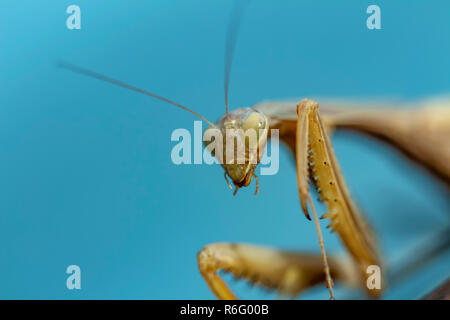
{"x": 239, "y": 148}
{"x": 305, "y": 130}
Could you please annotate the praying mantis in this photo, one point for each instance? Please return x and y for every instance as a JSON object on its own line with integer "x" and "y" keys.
{"x": 305, "y": 127}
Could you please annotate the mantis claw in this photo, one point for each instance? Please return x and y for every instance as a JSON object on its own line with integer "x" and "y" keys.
{"x": 257, "y": 184}
{"x": 307, "y": 216}
{"x": 228, "y": 182}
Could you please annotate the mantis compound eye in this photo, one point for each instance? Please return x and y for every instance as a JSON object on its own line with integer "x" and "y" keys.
{"x": 256, "y": 121}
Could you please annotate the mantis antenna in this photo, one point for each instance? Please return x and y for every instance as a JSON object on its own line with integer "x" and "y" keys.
{"x": 113, "y": 81}
{"x": 231, "y": 37}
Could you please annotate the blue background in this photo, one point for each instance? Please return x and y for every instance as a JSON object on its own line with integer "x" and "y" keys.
{"x": 85, "y": 171}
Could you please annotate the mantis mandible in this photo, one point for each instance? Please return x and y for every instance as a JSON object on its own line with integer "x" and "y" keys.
{"x": 305, "y": 130}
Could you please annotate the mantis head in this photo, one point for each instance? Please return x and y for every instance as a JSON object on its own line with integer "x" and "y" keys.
{"x": 240, "y": 138}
